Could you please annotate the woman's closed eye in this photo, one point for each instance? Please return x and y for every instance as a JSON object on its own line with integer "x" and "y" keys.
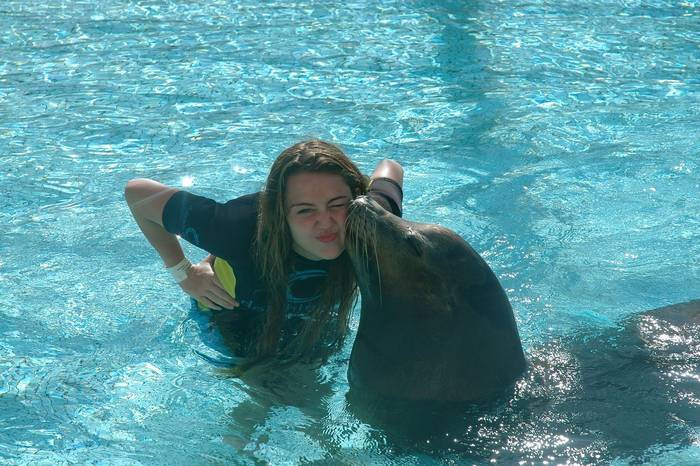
{"x": 310, "y": 210}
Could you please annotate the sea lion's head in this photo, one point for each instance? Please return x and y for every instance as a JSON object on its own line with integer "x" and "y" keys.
{"x": 435, "y": 324}
{"x": 388, "y": 253}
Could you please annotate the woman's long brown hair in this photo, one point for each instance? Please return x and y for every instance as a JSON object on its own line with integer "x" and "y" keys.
{"x": 273, "y": 248}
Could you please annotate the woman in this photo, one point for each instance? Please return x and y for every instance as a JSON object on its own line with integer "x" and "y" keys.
{"x": 280, "y": 251}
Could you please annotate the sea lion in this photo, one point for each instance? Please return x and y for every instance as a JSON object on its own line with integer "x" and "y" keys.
{"x": 435, "y": 323}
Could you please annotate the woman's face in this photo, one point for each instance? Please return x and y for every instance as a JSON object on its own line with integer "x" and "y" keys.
{"x": 316, "y": 206}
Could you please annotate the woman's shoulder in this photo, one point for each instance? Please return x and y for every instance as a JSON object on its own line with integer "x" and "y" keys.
{"x": 246, "y": 201}
{"x": 223, "y": 229}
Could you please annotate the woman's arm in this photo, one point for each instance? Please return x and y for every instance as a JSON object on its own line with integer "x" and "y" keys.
{"x": 386, "y": 186}
{"x": 147, "y": 199}
{"x": 389, "y": 169}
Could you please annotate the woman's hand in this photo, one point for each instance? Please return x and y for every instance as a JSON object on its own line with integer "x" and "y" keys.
{"x": 201, "y": 283}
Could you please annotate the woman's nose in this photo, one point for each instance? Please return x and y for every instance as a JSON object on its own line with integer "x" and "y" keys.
{"x": 325, "y": 218}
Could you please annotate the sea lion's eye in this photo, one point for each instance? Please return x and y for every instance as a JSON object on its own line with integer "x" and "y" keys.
{"x": 414, "y": 242}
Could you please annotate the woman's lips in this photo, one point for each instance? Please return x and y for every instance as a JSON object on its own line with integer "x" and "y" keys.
{"x": 327, "y": 238}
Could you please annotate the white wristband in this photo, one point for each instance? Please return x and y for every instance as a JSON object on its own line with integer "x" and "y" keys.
{"x": 180, "y": 269}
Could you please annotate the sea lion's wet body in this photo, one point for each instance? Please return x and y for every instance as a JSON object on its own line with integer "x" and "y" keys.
{"x": 435, "y": 324}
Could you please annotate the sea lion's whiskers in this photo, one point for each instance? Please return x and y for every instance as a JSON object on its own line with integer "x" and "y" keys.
{"x": 361, "y": 226}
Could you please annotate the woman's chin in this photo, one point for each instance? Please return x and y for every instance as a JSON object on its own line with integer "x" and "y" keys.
{"x": 331, "y": 253}
{"x": 327, "y": 253}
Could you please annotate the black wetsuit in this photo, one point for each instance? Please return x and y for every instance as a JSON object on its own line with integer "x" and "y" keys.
{"x": 228, "y": 231}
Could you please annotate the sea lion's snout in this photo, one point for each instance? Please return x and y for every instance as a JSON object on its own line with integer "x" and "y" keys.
{"x": 361, "y": 220}
{"x": 370, "y": 223}
{"x": 364, "y": 205}
{"x": 360, "y": 229}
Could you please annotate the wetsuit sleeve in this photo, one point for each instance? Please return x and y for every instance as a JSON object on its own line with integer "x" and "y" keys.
{"x": 225, "y": 230}
{"x": 388, "y": 194}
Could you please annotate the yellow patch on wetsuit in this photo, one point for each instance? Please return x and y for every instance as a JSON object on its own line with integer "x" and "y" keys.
{"x": 224, "y": 272}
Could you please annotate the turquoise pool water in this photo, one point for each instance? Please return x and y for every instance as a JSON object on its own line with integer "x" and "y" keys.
{"x": 559, "y": 138}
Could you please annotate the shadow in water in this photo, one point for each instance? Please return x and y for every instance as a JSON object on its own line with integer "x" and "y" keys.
{"x": 589, "y": 398}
